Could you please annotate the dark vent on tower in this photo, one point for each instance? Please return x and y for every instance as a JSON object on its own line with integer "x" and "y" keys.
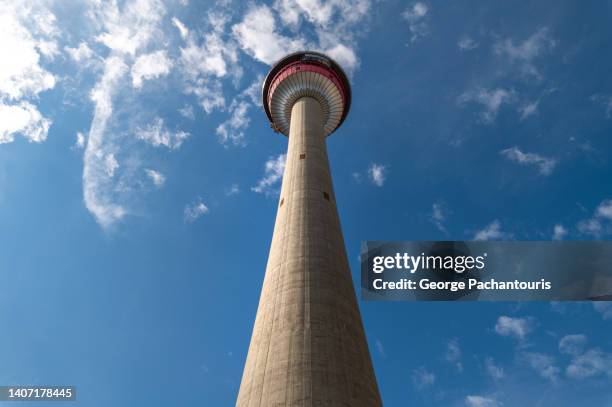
{"x": 326, "y": 195}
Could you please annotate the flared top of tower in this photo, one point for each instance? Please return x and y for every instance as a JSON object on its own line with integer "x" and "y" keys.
{"x": 306, "y": 73}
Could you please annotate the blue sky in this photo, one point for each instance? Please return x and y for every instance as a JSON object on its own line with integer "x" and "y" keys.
{"x": 139, "y": 179}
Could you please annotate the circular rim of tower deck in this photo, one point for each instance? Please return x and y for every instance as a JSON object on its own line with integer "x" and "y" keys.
{"x": 320, "y": 60}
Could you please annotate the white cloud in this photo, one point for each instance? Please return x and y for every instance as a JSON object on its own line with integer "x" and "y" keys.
{"x": 213, "y": 57}
{"x": 274, "y": 169}
{"x": 333, "y": 18}
{"x": 605, "y": 101}
{"x": 491, "y": 232}
{"x": 290, "y": 14}
{"x": 453, "y": 354}
{"x": 150, "y": 66}
{"x": 572, "y": 344}
{"x": 416, "y": 14}
{"x": 377, "y": 174}
{"x": 335, "y": 23}
{"x": 257, "y": 36}
{"x": 466, "y": 43}
{"x": 604, "y": 210}
{"x": 526, "y": 52}
{"x": 234, "y": 189}
{"x": 584, "y": 362}
{"x": 125, "y": 32}
{"x": 209, "y": 94}
{"x": 187, "y": 112}
{"x": 80, "y": 54}
{"x": 345, "y": 56}
{"x": 517, "y": 328}
{"x": 380, "y": 348}
{"x": 26, "y": 36}
{"x": 545, "y": 165}
{"x": 24, "y": 119}
{"x": 529, "y": 109}
{"x": 110, "y": 165}
{"x": 599, "y": 223}
{"x": 422, "y": 378}
{"x": 544, "y": 365}
{"x": 315, "y": 11}
{"x": 480, "y": 401}
{"x": 604, "y": 308}
{"x": 80, "y": 141}
{"x": 590, "y": 226}
{"x": 156, "y": 177}
{"x": 253, "y": 91}
{"x": 21, "y": 74}
{"x": 183, "y": 30}
{"x": 231, "y": 132}
{"x": 128, "y": 30}
{"x": 593, "y": 362}
{"x": 97, "y": 187}
{"x": 559, "y": 232}
{"x": 490, "y": 99}
{"x": 439, "y": 213}
{"x": 158, "y": 135}
{"x": 205, "y": 61}
{"x": 494, "y": 371}
{"x": 194, "y": 210}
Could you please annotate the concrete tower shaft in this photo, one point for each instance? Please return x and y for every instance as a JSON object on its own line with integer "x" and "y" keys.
{"x": 308, "y": 346}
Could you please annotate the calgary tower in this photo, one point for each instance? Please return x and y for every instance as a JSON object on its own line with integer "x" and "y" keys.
{"x": 308, "y": 346}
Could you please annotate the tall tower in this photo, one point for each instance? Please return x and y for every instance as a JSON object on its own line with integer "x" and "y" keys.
{"x": 308, "y": 346}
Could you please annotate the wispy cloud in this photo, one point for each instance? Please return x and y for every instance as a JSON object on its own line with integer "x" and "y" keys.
{"x": 593, "y": 362}
{"x": 525, "y": 53}
{"x": 467, "y": 43}
{"x": 529, "y": 109}
{"x": 604, "y": 308}
{"x": 80, "y": 141}
{"x": 273, "y": 173}
{"x": 80, "y": 54}
{"x": 182, "y": 29}
{"x": 156, "y": 177}
{"x": 517, "y": 328}
{"x": 187, "y": 112}
{"x": 494, "y": 371}
{"x": 559, "y": 232}
{"x": 194, "y": 210}
{"x": 491, "y": 101}
{"x": 258, "y": 36}
{"x": 97, "y": 186}
{"x": 605, "y": 101}
{"x": 481, "y": 401}
{"x": 377, "y": 173}
{"x": 416, "y": 16}
{"x": 439, "y": 212}
{"x": 380, "y": 348}
{"x": 231, "y": 132}
{"x": 545, "y": 165}
{"x": 492, "y": 231}
{"x": 600, "y": 222}
{"x": 544, "y": 365}
{"x": 125, "y": 32}
{"x": 453, "y": 354}
{"x": 233, "y": 189}
{"x": 150, "y": 66}
{"x": 158, "y": 135}
{"x": 423, "y": 378}
{"x": 572, "y": 344}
